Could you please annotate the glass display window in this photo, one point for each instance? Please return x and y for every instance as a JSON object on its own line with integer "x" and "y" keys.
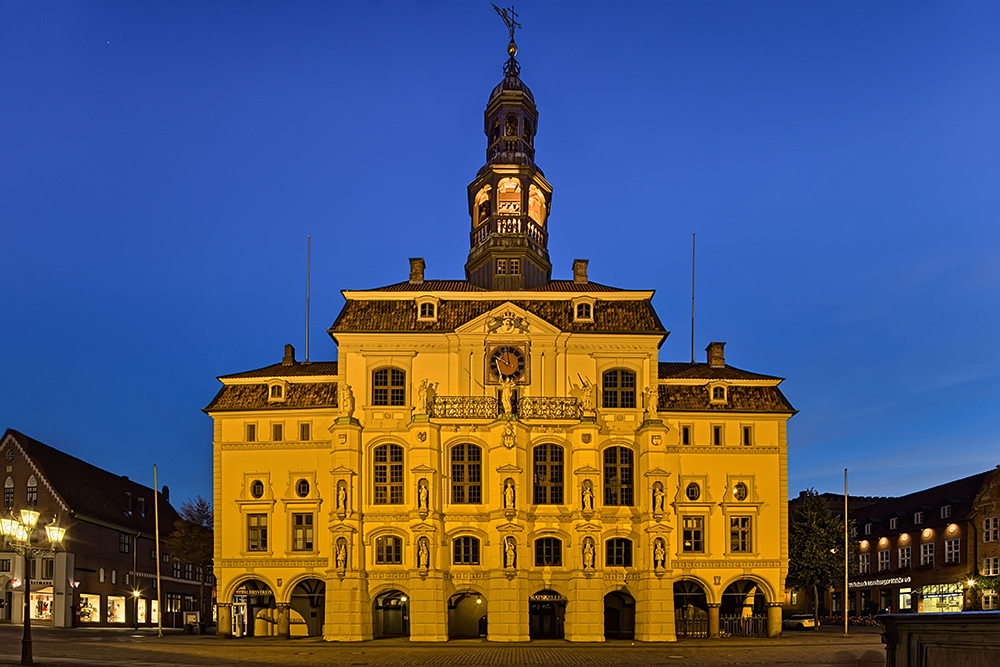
{"x": 116, "y": 609}
{"x": 90, "y": 608}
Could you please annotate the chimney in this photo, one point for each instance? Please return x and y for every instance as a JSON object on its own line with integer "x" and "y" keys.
{"x": 716, "y": 358}
{"x": 166, "y": 493}
{"x": 417, "y": 270}
{"x": 289, "y": 358}
{"x": 580, "y": 270}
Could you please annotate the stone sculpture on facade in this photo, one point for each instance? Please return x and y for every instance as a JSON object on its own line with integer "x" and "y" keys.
{"x": 342, "y": 497}
{"x": 659, "y": 554}
{"x": 658, "y": 497}
{"x": 423, "y": 554}
{"x": 423, "y": 496}
{"x": 509, "y": 552}
{"x": 507, "y": 436}
{"x": 588, "y": 497}
{"x": 341, "y": 557}
{"x": 507, "y": 395}
{"x": 347, "y": 401}
{"x": 422, "y": 406}
{"x": 508, "y": 495}
{"x": 650, "y": 399}
{"x": 588, "y": 554}
{"x": 588, "y": 392}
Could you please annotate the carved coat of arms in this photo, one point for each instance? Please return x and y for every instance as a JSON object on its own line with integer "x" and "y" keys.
{"x": 507, "y": 323}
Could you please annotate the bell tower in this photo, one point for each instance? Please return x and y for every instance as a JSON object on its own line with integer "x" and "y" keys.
{"x": 509, "y": 200}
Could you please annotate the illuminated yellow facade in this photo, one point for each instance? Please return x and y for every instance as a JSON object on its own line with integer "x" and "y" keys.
{"x": 502, "y": 456}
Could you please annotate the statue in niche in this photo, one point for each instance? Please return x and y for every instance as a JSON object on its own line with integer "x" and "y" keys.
{"x": 588, "y": 497}
{"x": 659, "y": 554}
{"x": 423, "y": 496}
{"x": 347, "y": 400}
{"x": 422, "y": 397}
{"x": 508, "y": 495}
{"x": 342, "y": 497}
{"x": 423, "y": 553}
{"x": 588, "y": 554}
{"x": 658, "y": 497}
{"x": 507, "y": 436}
{"x": 650, "y": 398}
{"x": 509, "y": 552}
{"x": 341, "y": 554}
{"x": 507, "y": 394}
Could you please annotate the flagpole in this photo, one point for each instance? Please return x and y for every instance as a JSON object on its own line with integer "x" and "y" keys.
{"x": 846, "y": 553}
{"x": 159, "y": 587}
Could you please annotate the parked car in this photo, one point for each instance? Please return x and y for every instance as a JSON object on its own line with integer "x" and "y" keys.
{"x": 800, "y": 622}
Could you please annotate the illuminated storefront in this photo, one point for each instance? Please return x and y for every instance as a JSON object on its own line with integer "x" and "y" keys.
{"x": 90, "y": 608}
{"x": 940, "y": 597}
{"x": 41, "y": 604}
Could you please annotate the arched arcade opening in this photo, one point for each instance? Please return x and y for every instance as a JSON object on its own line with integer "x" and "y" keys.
{"x": 690, "y": 609}
{"x": 546, "y": 615}
{"x": 391, "y": 615}
{"x": 619, "y": 615}
{"x": 254, "y": 610}
{"x": 308, "y": 606}
{"x": 467, "y": 615}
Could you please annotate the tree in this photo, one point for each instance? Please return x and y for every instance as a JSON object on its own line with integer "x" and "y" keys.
{"x": 815, "y": 547}
{"x": 192, "y": 538}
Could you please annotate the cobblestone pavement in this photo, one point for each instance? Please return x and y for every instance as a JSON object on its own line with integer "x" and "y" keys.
{"x": 113, "y": 647}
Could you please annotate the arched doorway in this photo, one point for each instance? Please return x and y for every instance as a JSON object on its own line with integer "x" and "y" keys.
{"x": 391, "y": 615}
{"x": 308, "y": 608}
{"x": 744, "y": 610}
{"x": 619, "y": 615}
{"x": 254, "y": 610}
{"x": 690, "y": 609}
{"x": 546, "y": 612}
{"x": 466, "y": 615}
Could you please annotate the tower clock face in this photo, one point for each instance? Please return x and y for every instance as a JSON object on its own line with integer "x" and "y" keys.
{"x": 508, "y": 362}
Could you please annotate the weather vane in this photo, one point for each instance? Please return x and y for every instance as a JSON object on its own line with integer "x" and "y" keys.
{"x": 508, "y": 19}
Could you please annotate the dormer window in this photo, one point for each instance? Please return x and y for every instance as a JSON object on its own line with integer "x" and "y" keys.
{"x": 142, "y": 507}
{"x": 945, "y": 511}
{"x": 427, "y": 308}
{"x": 918, "y": 517}
{"x": 868, "y": 529}
{"x": 583, "y": 309}
{"x": 277, "y": 391}
{"x": 717, "y": 394}
{"x": 894, "y": 523}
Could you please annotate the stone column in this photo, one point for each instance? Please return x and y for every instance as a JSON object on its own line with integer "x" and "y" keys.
{"x": 584, "y": 620}
{"x": 713, "y": 620}
{"x": 508, "y": 619}
{"x": 428, "y": 608}
{"x": 224, "y": 627}
{"x": 774, "y": 619}
{"x": 284, "y": 615}
{"x": 348, "y": 613}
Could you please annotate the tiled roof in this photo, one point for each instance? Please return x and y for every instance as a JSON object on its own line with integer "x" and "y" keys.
{"x": 93, "y": 492}
{"x": 254, "y": 397}
{"x": 701, "y": 371}
{"x": 466, "y": 286}
{"x": 960, "y": 494}
{"x": 695, "y": 398}
{"x": 394, "y": 316}
{"x": 297, "y": 369}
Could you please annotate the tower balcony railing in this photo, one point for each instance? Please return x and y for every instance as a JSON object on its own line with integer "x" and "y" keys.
{"x": 529, "y": 228}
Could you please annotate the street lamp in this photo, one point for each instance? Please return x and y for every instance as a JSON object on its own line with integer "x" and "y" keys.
{"x": 135, "y": 615}
{"x": 19, "y": 534}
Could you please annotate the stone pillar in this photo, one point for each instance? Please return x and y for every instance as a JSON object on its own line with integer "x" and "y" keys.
{"x": 224, "y": 627}
{"x": 348, "y": 613}
{"x": 284, "y": 617}
{"x": 713, "y": 620}
{"x": 508, "y": 619}
{"x": 428, "y": 608}
{"x": 62, "y": 590}
{"x": 654, "y": 608}
{"x": 774, "y": 619}
{"x": 585, "y": 610}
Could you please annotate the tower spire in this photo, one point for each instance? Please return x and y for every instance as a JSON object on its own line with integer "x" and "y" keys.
{"x": 509, "y": 16}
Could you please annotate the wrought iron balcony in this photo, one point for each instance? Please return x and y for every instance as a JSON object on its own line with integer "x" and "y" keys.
{"x": 548, "y": 407}
{"x": 465, "y": 407}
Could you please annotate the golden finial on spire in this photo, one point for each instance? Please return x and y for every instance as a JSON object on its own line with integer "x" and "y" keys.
{"x": 509, "y": 17}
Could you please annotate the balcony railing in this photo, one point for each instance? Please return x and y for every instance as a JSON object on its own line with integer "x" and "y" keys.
{"x": 465, "y": 407}
{"x": 548, "y": 407}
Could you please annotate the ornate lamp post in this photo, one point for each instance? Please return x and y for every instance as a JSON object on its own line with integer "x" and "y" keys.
{"x": 19, "y": 534}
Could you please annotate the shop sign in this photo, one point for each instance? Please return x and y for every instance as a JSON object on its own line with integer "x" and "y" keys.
{"x": 879, "y": 582}
{"x": 547, "y": 598}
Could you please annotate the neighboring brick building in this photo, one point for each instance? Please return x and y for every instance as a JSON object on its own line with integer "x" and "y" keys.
{"x": 109, "y": 549}
{"x": 987, "y": 520}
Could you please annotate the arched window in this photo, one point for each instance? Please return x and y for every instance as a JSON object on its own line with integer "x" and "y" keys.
{"x": 8, "y": 493}
{"x": 548, "y": 474}
{"x": 388, "y": 550}
{"x": 276, "y": 390}
{"x": 466, "y": 551}
{"x": 536, "y": 205}
{"x": 548, "y": 552}
{"x": 466, "y": 474}
{"x": 427, "y": 311}
{"x": 482, "y": 205}
{"x": 509, "y": 197}
{"x": 32, "y": 491}
{"x": 619, "y": 552}
{"x": 718, "y": 393}
{"x": 389, "y": 387}
{"x": 388, "y": 475}
{"x": 583, "y": 311}
{"x": 619, "y": 389}
{"x": 618, "y": 476}
{"x": 511, "y": 125}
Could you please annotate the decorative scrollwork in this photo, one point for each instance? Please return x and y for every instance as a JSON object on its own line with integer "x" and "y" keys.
{"x": 465, "y": 407}
{"x": 544, "y": 407}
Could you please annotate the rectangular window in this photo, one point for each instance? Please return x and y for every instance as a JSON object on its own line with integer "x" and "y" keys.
{"x": 716, "y": 435}
{"x": 176, "y": 569}
{"x": 548, "y": 552}
{"x": 251, "y": 433}
{"x": 990, "y": 601}
{"x": 466, "y": 551}
{"x": 991, "y": 567}
{"x": 32, "y": 496}
{"x": 951, "y": 551}
{"x": 466, "y": 474}
{"x": 142, "y": 507}
{"x": 747, "y": 435}
{"x": 277, "y": 432}
{"x": 619, "y": 553}
{"x": 945, "y": 511}
{"x": 165, "y": 557}
{"x": 904, "y": 557}
{"x": 173, "y": 602}
{"x": 188, "y": 571}
{"x": 501, "y": 267}
{"x": 694, "y": 534}
{"x": 128, "y": 501}
{"x": 883, "y": 560}
{"x": 991, "y": 529}
{"x": 256, "y": 532}
{"x": 48, "y": 568}
{"x": 124, "y": 543}
{"x": 8, "y": 496}
{"x": 4, "y": 565}
{"x": 927, "y": 554}
{"x": 515, "y": 267}
{"x": 302, "y": 532}
{"x": 918, "y": 517}
{"x": 305, "y": 431}
{"x": 868, "y": 529}
{"x": 685, "y": 435}
{"x": 740, "y": 534}
{"x": 388, "y": 551}
{"x": 893, "y": 523}
{"x": 864, "y": 563}
{"x": 388, "y": 387}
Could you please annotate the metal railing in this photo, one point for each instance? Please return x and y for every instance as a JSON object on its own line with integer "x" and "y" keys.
{"x": 743, "y": 626}
{"x": 691, "y": 627}
{"x": 465, "y": 407}
{"x": 546, "y": 407}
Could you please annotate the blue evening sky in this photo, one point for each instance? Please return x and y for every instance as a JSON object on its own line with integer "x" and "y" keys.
{"x": 161, "y": 164}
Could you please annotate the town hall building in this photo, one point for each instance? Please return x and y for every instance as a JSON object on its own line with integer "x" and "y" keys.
{"x": 501, "y": 456}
